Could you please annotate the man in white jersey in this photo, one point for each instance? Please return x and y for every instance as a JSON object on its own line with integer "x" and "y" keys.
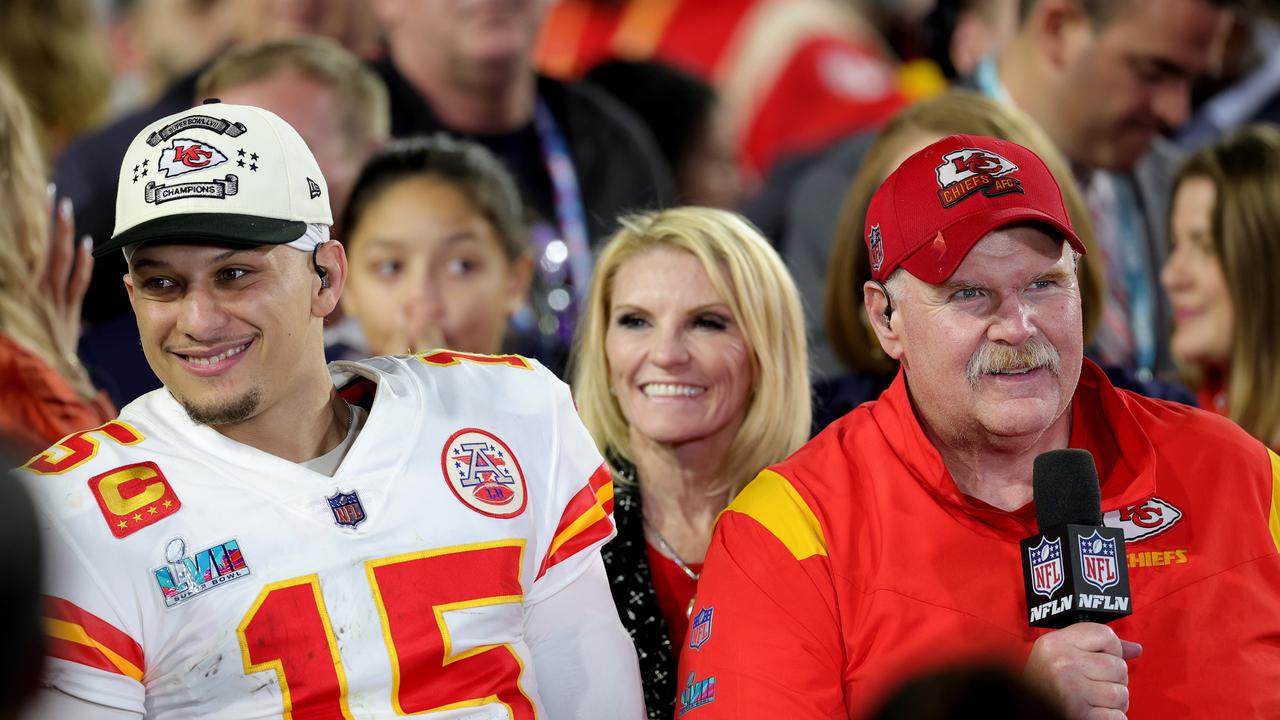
{"x": 252, "y": 542}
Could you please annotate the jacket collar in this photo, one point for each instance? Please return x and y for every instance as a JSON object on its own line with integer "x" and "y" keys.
{"x": 1101, "y": 422}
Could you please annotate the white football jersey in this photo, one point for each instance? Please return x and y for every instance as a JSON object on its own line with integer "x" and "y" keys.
{"x": 189, "y": 575}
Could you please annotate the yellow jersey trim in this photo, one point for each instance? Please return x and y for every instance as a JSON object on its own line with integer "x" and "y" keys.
{"x": 772, "y": 501}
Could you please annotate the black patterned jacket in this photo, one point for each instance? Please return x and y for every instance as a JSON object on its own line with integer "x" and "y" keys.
{"x": 626, "y": 562}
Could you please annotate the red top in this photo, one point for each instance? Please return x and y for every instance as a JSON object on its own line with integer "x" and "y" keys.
{"x": 38, "y": 406}
{"x": 857, "y": 563}
{"x": 675, "y": 591}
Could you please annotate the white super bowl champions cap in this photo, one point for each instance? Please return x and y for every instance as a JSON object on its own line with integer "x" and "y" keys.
{"x": 218, "y": 174}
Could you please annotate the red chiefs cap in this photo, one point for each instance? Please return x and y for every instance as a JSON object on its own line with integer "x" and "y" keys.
{"x": 941, "y": 201}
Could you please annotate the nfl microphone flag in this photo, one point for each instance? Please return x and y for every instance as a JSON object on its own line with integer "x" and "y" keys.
{"x": 1075, "y": 569}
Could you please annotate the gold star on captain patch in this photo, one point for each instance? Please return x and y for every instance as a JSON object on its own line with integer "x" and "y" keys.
{"x": 168, "y": 504}
{"x": 122, "y": 524}
{"x": 137, "y": 517}
{"x": 153, "y": 510}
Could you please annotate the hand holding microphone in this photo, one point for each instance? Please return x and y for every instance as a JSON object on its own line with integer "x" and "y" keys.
{"x": 1076, "y": 574}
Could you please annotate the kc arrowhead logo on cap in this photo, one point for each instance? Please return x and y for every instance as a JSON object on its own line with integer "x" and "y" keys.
{"x": 185, "y": 155}
{"x": 969, "y": 170}
{"x": 247, "y": 179}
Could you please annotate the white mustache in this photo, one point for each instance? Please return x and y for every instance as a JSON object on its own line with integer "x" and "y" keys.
{"x": 998, "y": 358}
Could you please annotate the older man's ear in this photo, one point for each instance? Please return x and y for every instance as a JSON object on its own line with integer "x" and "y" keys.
{"x": 879, "y": 307}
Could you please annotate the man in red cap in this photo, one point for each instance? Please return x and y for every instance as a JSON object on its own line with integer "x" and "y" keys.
{"x": 889, "y": 544}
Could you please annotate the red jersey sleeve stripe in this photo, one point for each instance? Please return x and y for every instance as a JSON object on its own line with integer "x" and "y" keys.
{"x": 89, "y": 655}
{"x": 70, "y": 623}
{"x": 585, "y": 521}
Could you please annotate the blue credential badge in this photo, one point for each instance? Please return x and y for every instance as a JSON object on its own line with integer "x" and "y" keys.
{"x": 347, "y": 509}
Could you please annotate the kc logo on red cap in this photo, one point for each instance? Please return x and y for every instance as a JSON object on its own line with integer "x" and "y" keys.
{"x": 968, "y": 170}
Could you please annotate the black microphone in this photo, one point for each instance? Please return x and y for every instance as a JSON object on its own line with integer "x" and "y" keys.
{"x": 1075, "y": 569}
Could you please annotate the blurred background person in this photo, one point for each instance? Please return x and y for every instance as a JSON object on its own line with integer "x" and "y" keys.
{"x": 579, "y": 157}
{"x": 64, "y": 39}
{"x": 1246, "y": 87}
{"x": 339, "y": 107}
{"x": 437, "y": 249}
{"x": 690, "y": 372}
{"x": 793, "y": 74}
{"x": 1223, "y": 278}
{"x": 1105, "y": 80}
{"x": 687, "y": 121}
{"x": 45, "y": 392}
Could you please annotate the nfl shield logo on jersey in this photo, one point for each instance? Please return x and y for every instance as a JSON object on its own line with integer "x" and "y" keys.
{"x": 1098, "y": 561}
{"x": 483, "y": 473}
{"x": 1047, "y": 573}
{"x": 346, "y": 508}
{"x": 701, "y": 632}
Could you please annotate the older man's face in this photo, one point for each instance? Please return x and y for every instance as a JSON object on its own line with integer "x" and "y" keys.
{"x": 994, "y": 353}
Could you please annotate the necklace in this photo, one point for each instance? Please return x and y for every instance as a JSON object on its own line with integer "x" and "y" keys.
{"x": 669, "y": 551}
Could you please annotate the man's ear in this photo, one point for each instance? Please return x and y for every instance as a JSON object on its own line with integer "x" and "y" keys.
{"x": 879, "y": 314}
{"x": 331, "y": 259}
{"x": 1061, "y": 30}
{"x": 129, "y": 288}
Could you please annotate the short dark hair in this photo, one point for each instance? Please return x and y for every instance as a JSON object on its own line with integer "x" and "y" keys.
{"x": 463, "y": 164}
{"x": 674, "y": 105}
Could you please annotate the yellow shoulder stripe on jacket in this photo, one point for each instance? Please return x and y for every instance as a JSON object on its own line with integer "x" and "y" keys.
{"x": 1275, "y": 498}
{"x": 773, "y": 502}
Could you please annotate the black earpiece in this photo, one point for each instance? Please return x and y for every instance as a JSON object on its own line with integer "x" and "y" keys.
{"x": 888, "y": 301}
{"x": 324, "y": 274}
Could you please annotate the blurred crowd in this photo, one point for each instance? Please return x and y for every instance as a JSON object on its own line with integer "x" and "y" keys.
{"x": 503, "y": 177}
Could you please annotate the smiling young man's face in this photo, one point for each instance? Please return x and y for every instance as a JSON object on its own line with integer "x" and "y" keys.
{"x": 223, "y": 327}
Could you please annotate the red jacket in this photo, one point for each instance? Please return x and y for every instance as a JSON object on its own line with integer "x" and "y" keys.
{"x": 857, "y": 563}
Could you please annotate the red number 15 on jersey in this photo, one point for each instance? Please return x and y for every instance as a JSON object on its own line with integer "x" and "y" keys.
{"x": 287, "y": 630}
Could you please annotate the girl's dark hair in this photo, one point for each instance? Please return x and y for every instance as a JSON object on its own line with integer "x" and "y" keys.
{"x": 465, "y": 165}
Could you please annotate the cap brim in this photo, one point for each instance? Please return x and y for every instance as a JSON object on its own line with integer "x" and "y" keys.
{"x": 210, "y": 228}
{"x": 934, "y": 264}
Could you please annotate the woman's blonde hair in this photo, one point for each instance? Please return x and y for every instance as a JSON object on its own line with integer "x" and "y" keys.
{"x": 25, "y": 311}
{"x": 955, "y": 112}
{"x": 747, "y": 272}
{"x": 1245, "y": 170}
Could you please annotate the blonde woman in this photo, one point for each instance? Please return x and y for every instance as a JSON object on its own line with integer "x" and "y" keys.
{"x": 869, "y": 370}
{"x": 1223, "y": 278}
{"x": 691, "y": 372}
{"x": 44, "y": 392}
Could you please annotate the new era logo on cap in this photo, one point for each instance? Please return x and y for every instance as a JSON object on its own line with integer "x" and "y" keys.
{"x": 227, "y": 174}
{"x": 930, "y": 212}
